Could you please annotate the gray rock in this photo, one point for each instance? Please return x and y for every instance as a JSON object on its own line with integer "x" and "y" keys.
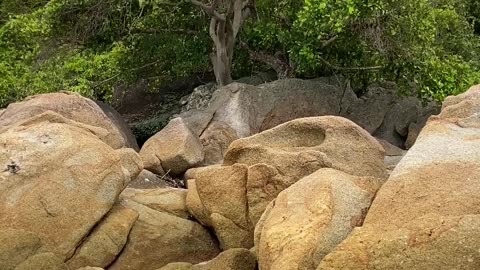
{"x": 199, "y": 98}
{"x": 121, "y": 125}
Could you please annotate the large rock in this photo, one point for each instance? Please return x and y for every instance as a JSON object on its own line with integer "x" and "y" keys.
{"x": 240, "y": 110}
{"x": 169, "y": 200}
{"x": 302, "y": 146}
{"x": 370, "y": 110}
{"x": 42, "y": 261}
{"x": 199, "y": 98}
{"x": 232, "y": 198}
{"x": 403, "y": 121}
{"x": 106, "y": 241}
{"x": 308, "y": 219}
{"x": 215, "y": 140}
{"x": 59, "y": 180}
{"x": 174, "y": 149}
{"x": 427, "y": 215}
{"x": 16, "y": 246}
{"x": 159, "y": 238}
{"x": 222, "y": 194}
{"x": 148, "y": 180}
{"x": 281, "y": 101}
{"x": 120, "y": 124}
{"x": 74, "y": 107}
{"x": 249, "y": 110}
{"x": 232, "y": 259}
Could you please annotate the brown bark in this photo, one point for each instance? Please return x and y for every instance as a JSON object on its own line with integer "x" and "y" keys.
{"x": 224, "y": 28}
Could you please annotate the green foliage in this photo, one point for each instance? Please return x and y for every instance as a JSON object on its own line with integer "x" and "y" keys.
{"x": 427, "y": 46}
{"x": 92, "y": 47}
{"x": 431, "y": 48}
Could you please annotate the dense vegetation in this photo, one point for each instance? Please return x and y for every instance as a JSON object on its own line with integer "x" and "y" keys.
{"x": 431, "y": 48}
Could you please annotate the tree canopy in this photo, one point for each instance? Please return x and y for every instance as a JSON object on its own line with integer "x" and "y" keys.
{"x": 430, "y": 48}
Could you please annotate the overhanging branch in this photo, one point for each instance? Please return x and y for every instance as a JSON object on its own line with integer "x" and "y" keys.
{"x": 330, "y": 65}
{"x": 210, "y": 10}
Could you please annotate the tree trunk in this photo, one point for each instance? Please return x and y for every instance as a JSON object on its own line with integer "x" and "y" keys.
{"x": 224, "y": 28}
{"x": 221, "y": 66}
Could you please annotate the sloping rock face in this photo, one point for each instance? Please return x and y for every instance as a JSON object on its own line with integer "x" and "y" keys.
{"x": 239, "y": 110}
{"x": 232, "y": 198}
{"x": 332, "y": 141}
{"x": 117, "y": 119}
{"x": 59, "y": 180}
{"x": 148, "y": 180}
{"x": 199, "y": 98}
{"x": 218, "y": 199}
{"x": 232, "y": 259}
{"x": 308, "y": 219}
{"x": 42, "y": 261}
{"x": 169, "y": 200}
{"x": 16, "y": 246}
{"x": 174, "y": 149}
{"x": 74, "y": 107}
{"x": 162, "y": 234}
{"x": 106, "y": 241}
{"x": 426, "y": 216}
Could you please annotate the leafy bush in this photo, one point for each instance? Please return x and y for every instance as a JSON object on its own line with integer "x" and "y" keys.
{"x": 431, "y": 48}
{"x": 427, "y": 46}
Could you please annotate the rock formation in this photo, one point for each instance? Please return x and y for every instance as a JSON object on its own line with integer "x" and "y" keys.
{"x": 240, "y": 110}
{"x": 231, "y": 198}
{"x": 426, "y": 216}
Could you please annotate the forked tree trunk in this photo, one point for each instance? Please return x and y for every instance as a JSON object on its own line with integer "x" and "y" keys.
{"x": 224, "y": 28}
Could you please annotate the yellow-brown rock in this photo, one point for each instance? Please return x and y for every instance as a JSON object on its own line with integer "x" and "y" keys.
{"x": 59, "y": 180}
{"x": 309, "y": 218}
{"x": 427, "y": 215}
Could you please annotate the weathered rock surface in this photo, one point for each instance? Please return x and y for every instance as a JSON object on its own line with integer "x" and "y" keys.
{"x": 120, "y": 124}
{"x": 42, "y": 261}
{"x": 222, "y": 194}
{"x": 74, "y": 107}
{"x": 232, "y": 198}
{"x": 159, "y": 238}
{"x": 232, "y": 259}
{"x": 309, "y": 218}
{"x": 174, "y": 149}
{"x": 215, "y": 140}
{"x": 192, "y": 173}
{"x": 169, "y": 200}
{"x": 148, "y": 180}
{"x": 106, "y": 241}
{"x": 59, "y": 180}
{"x": 16, "y": 246}
{"x": 393, "y": 155}
{"x": 302, "y": 146}
{"x": 310, "y": 98}
{"x": 195, "y": 205}
{"x": 240, "y": 110}
{"x": 199, "y": 98}
{"x": 426, "y": 216}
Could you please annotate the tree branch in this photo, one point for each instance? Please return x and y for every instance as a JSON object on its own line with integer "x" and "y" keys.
{"x": 328, "y": 42}
{"x": 374, "y": 68}
{"x": 283, "y": 69}
{"x": 210, "y": 10}
{"x": 160, "y": 31}
{"x": 237, "y": 17}
{"x": 212, "y": 32}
